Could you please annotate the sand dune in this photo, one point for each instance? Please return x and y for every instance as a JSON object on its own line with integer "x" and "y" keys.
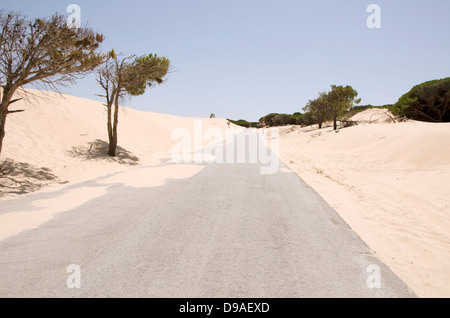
{"x": 61, "y": 140}
{"x": 390, "y": 182}
{"x": 66, "y": 137}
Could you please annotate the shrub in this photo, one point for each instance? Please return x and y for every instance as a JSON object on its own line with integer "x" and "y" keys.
{"x": 429, "y": 101}
{"x": 268, "y": 119}
{"x": 240, "y": 122}
{"x": 283, "y": 120}
{"x": 244, "y": 123}
{"x": 308, "y": 119}
{"x": 299, "y": 120}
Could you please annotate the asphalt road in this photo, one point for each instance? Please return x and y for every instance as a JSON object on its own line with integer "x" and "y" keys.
{"x": 228, "y": 231}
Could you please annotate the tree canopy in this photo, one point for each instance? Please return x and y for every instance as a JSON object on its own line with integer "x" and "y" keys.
{"x": 44, "y": 51}
{"x": 121, "y": 76}
{"x": 340, "y": 99}
{"x": 319, "y": 109}
{"x": 429, "y": 101}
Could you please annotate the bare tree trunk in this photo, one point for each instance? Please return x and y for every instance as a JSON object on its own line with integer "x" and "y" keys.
{"x": 2, "y": 130}
{"x": 335, "y": 122}
{"x": 442, "y": 112}
{"x": 113, "y": 138}
{"x": 5, "y": 102}
{"x": 2, "y": 123}
{"x": 109, "y": 127}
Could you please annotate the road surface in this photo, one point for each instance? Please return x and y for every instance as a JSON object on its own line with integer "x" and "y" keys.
{"x": 228, "y": 231}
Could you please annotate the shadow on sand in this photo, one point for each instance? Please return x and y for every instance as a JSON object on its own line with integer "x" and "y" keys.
{"x": 98, "y": 150}
{"x": 21, "y": 178}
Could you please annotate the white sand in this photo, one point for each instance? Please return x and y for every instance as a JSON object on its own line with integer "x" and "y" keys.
{"x": 391, "y": 184}
{"x": 15, "y": 222}
{"x": 52, "y": 125}
{"x": 154, "y": 176}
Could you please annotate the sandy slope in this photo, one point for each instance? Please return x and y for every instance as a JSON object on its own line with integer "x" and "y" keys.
{"x": 68, "y": 135}
{"x": 60, "y": 140}
{"x": 391, "y": 184}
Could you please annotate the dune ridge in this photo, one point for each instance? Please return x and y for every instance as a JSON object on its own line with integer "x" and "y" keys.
{"x": 67, "y": 137}
{"x": 390, "y": 183}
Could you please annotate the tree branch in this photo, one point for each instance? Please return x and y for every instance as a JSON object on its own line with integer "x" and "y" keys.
{"x": 14, "y": 101}
{"x": 15, "y": 111}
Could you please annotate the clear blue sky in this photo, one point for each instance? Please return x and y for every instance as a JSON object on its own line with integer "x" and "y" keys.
{"x": 246, "y": 58}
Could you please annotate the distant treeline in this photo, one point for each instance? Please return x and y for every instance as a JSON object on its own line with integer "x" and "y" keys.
{"x": 302, "y": 119}
{"x": 429, "y": 101}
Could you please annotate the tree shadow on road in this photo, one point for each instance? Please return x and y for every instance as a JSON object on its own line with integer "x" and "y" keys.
{"x": 98, "y": 150}
{"x": 18, "y": 178}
